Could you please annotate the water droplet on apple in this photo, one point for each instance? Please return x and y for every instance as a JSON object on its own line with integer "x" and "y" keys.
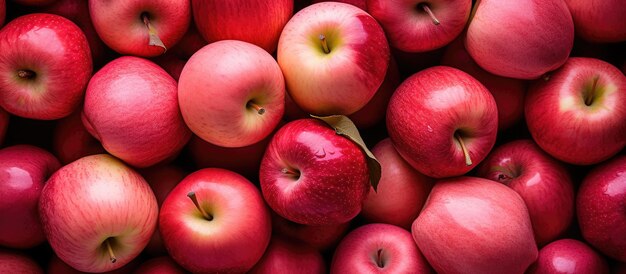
{"x": 320, "y": 153}
{"x": 430, "y": 129}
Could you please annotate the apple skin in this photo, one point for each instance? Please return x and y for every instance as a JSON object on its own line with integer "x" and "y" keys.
{"x": 411, "y": 29}
{"x": 57, "y": 266}
{"x": 562, "y": 123}
{"x": 568, "y": 256}
{"x": 475, "y": 225}
{"x": 217, "y": 86}
{"x": 23, "y": 171}
{"x": 71, "y": 141}
{"x": 3, "y": 11}
{"x": 401, "y": 193}
{"x": 93, "y": 201}
{"x": 57, "y": 52}
{"x": 13, "y": 262}
{"x": 600, "y": 207}
{"x": 282, "y": 256}
{"x": 241, "y": 223}
{"x": 378, "y": 248}
{"x": 343, "y": 80}
{"x": 174, "y": 60}
{"x": 599, "y": 21}
{"x": 160, "y": 265}
{"x": 313, "y": 176}
{"x": 543, "y": 183}
{"x": 520, "y": 39}
{"x": 131, "y": 106}
{"x": 258, "y": 22}
{"x": 4, "y": 124}
{"x": 120, "y": 24}
{"x": 322, "y": 238}
{"x": 432, "y": 106}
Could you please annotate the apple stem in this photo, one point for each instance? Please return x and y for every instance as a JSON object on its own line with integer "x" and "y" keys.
{"x": 155, "y": 40}
{"x": 324, "y": 44}
{"x": 590, "y": 94}
{"x": 468, "y": 160}
{"x": 427, "y": 9}
{"x": 110, "y": 250}
{"x": 260, "y": 110}
{"x": 379, "y": 258}
{"x": 290, "y": 171}
{"x": 28, "y": 74}
{"x": 192, "y": 196}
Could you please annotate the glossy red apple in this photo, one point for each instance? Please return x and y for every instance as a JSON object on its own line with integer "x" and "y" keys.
{"x": 57, "y": 266}
{"x": 283, "y": 256}
{"x": 13, "y": 262}
{"x": 23, "y": 171}
{"x": 475, "y": 225}
{"x": 600, "y": 22}
{"x": 45, "y": 64}
{"x": 160, "y": 265}
{"x": 442, "y": 121}
{"x": 71, "y": 141}
{"x": 215, "y": 221}
{"x": 322, "y": 238}
{"x": 97, "y": 213}
{"x": 581, "y": 101}
{"x": 568, "y": 256}
{"x": 361, "y": 4}
{"x": 4, "y": 124}
{"x": 600, "y": 207}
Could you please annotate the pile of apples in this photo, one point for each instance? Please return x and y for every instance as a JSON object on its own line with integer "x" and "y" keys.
{"x": 360, "y": 136}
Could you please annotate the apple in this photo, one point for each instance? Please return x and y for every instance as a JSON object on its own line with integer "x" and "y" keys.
{"x": 231, "y": 93}
{"x": 144, "y": 28}
{"x": 419, "y": 26}
{"x": 334, "y": 57}
{"x": 163, "y": 265}
{"x": 97, "y": 213}
{"x": 569, "y": 256}
{"x": 601, "y": 22}
{"x": 131, "y": 107}
{"x": 23, "y": 171}
{"x": 34, "y": 2}
{"x": 543, "y": 183}
{"x": 401, "y": 193}
{"x": 600, "y": 207}
{"x": 215, "y": 220}
{"x": 361, "y": 4}
{"x": 45, "y": 63}
{"x": 520, "y": 39}
{"x": 71, "y": 141}
{"x": 320, "y": 237}
{"x": 475, "y": 225}
{"x": 581, "y": 101}
{"x": 174, "y": 60}
{"x": 442, "y": 121}
{"x": 57, "y": 266}
{"x": 257, "y": 22}
{"x": 14, "y": 262}
{"x": 3, "y": 12}
{"x": 283, "y": 256}
{"x": 4, "y": 124}
{"x": 313, "y": 176}
{"x": 378, "y": 248}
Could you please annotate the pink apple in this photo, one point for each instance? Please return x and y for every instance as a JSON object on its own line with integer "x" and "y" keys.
{"x": 140, "y": 27}
{"x": 568, "y": 256}
{"x": 361, "y": 4}
{"x": 97, "y": 213}
{"x": 71, "y": 141}
{"x": 601, "y": 21}
{"x": 282, "y": 256}
{"x": 23, "y": 171}
{"x": 160, "y": 265}
{"x": 131, "y": 106}
{"x": 322, "y": 238}
{"x": 311, "y": 175}
{"x": 257, "y": 22}
{"x": 334, "y": 57}
{"x": 419, "y": 26}
{"x": 378, "y": 248}
{"x": 475, "y": 225}
{"x": 45, "y": 65}
{"x": 57, "y": 266}
{"x": 14, "y": 262}
{"x": 578, "y": 114}
{"x": 231, "y": 93}
{"x": 600, "y": 207}
{"x": 401, "y": 193}
{"x": 442, "y": 121}
{"x": 215, "y": 221}
{"x": 520, "y": 39}
{"x": 4, "y": 124}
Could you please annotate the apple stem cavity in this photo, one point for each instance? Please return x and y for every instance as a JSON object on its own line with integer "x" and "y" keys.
{"x": 427, "y": 9}
{"x": 192, "y": 196}
{"x": 107, "y": 242}
{"x": 291, "y": 172}
{"x": 379, "y": 259}
{"x": 468, "y": 160}
{"x": 591, "y": 93}
{"x": 260, "y": 110}
{"x": 155, "y": 40}
{"x": 324, "y": 44}
{"x": 26, "y": 74}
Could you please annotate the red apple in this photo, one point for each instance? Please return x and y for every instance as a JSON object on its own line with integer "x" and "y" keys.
{"x": 419, "y": 26}
{"x": 231, "y": 93}
{"x": 334, "y": 57}
{"x": 475, "y": 225}
{"x": 257, "y": 22}
{"x": 322, "y": 238}
{"x": 13, "y": 262}
{"x": 224, "y": 227}
{"x": 23, "y": 171}
{"x": 600, "y": 207}
{"x": 401, "y": 193}
{"x": 442, "y": 121}
{"x": 599, "y": 21}
{"x": 3, "y": 12}
{"x": 45, "y": 64}
{"x": 378, "y": 248}
{"x": 282, "y": 256}
{"x": 361, "y": 4}
{"x": 97, "y": 213}
{"x": 4, "y": 124}
{"x": 71, "y": 141}
{"x": 584, "y": 100}
{"x": 160, "y": 265}
{"x": 568, "y": 256}
{"x": 57, "y": 266}
{"x": 131, "y": 106}
{"x": 140, "y": 27}
{"x": 520, "y": 39}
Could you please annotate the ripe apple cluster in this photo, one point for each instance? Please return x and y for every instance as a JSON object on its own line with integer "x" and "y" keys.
{"x": 312, "y": 136}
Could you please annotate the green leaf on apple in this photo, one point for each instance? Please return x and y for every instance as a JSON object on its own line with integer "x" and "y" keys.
{"x": 345, "y": 127}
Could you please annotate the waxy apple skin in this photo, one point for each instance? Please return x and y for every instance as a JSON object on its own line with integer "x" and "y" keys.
{"x": 578, "y": 114}
{"x": 45, "y": 63}
{"x": 599, "y": 21}
{"x": 23, "y": 171}
{"x": 321, "y": 238}
{"x": 162, "y": 265}
{"x": 13, "y": 262}
{"x": 311, "y": 175}
{"x": 568, "y": 256}
{"x": 283, "y": 256}
{"x": 600, "y": 208}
